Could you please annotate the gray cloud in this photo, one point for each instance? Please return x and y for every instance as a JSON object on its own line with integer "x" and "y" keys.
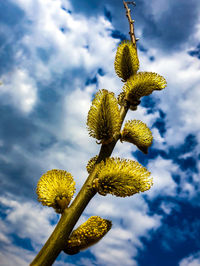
{"x": 12, "y": 30}
{"x": 163, "y": 24}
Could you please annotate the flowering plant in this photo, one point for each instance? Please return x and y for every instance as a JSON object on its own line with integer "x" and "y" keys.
{"x": 107, "y": 175}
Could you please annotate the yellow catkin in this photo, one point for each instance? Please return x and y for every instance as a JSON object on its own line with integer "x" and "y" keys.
{"x": 126, "y": 60}
{"x": 91, "y": 163}
{"x": 137, "y": 132}
{"x": 143, "y": 84}
{"x": 122, "y": 178}
{"x": 121, "y": 98}
{"x": 87, "y": 234}
{"x": 103, "y": 119}
{"x": 56, "y": 189}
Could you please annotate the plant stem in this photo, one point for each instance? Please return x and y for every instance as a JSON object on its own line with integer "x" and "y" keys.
{"x": 58, "y": 239}
{"x": 70, "y": 216}
{"x": 131, "y": 25}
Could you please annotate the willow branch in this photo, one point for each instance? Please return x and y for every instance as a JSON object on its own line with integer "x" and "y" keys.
{"x": 131, "y": 22}
{"x": 58, "y": 239}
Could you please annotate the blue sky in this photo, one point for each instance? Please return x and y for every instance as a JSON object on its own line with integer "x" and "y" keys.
{"x": 54, "y": 56}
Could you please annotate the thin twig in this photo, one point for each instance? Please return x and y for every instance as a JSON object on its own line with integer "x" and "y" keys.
{"x": 128, "y": 14}
{"x": 131, "y": 2}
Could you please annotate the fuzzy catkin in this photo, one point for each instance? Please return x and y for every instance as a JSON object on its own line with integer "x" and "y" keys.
{"x": 55, "y": 189}
{"x": 91, "y": 163}
{"x": 87, "y": 234}
{"x": 121, "y": 177}
{"x": 103, "y": 119}
{"x": 126, "y": 60}
{"x": 143, "y": 84}
{"x": 137, "y": 132}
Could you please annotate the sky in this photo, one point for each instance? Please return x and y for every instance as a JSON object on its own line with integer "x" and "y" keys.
{"x": 54, "y": 56}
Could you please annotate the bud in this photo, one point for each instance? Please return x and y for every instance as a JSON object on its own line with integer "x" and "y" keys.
{"x": 87, "y": 234}
{"x": 126, "y": 60}
{"x": 121, "y": 98}
{"x": 56, "y": 189}
{"x": 143, "y": 84}
{"x": 104, "y": 117}
{"x": 122, "y": 101}
{"x": 91, "y": 163}
{"x": 137, "y": 132}
{"x": 121, "y": 177}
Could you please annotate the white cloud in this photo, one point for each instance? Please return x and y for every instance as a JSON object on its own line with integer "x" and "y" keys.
{"x": 120, "y": 245}
{"x": 167, "y": 207}
{"x": 67, "y": 52}
{"x": 130, "y": 221}
{"x": 19, "y": 89}
{"x": 179, "y": 99}
{"x": 161, "y": 171}
{"x": 25, "y": 219}
{"x": 77, "y": 105}
{"x": 12, "y": 255}
{"x": 192, "y": 260}
{"x": 158, "y": 140}
{"x": 157, "y": 8}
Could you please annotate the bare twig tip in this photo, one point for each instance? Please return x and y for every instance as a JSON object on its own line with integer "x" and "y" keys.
{"x": 131, "y": 2}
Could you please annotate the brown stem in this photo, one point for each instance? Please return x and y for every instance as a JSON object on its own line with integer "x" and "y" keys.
{"x": 131, "y": 25}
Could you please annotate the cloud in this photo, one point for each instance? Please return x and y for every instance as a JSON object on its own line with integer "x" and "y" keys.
{"x": 159, "y": 23}
{"x": 192, "y": 260}
{"x": 164, "y": 17}
{"x": 35, "y": 95}
{"x": 25, "y": 219}
{"x": 178, "y": 116}
{"x": 168, "y": 207}
{"x": 22, "y": 222}
{"x": 162, "y": 171}
{"x": 61, "y": 48}
{"x": 12, "y": 30}
{"x": 12, "y": 255}
{"x": 131, "y": 222}
{"x": 58, "y": 59}
{"x": 180, "y": 141}
{"x": 19, "y": 90}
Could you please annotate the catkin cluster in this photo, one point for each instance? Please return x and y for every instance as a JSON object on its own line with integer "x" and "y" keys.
{"x": 116, "y": 176}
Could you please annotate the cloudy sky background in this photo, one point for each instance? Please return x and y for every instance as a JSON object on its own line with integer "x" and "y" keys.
{"x": 54, "y": 56}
